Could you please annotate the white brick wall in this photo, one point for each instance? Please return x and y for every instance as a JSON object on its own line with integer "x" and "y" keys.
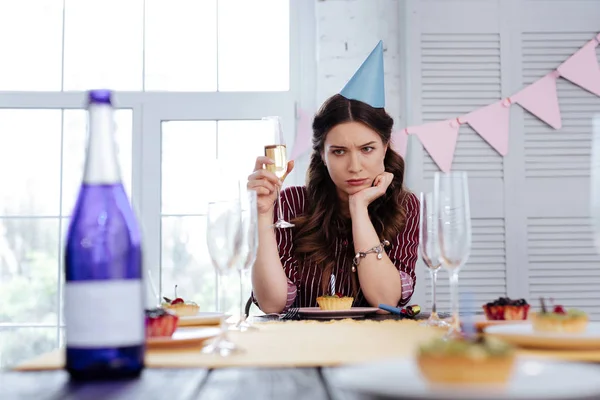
{"x": 347, "y": 31}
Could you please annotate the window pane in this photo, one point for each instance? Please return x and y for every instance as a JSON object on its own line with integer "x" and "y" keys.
{"x": 185, "y": 261}
{"x": 74, "y": 152}
{"x": 103, "y": 44}
{"x": 188, "y": 149}
{"x": 181, "y": 45}
{"x": 19, "y": 344}
{"x": 29, "y": 270}
{"x": 31, "y": 44}
{"x": 29, "y": 162}
{"x": 249, "y": 137}
{"x": 254, "y": 41}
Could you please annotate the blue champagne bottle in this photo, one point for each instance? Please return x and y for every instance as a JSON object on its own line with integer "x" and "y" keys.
{"x": 104, "y": 295}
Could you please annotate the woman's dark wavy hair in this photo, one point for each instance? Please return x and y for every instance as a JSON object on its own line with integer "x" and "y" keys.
{"x": 316, "y": 231}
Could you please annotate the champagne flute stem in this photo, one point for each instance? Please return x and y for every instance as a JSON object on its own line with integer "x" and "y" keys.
{"x": 279, "y": 210}
{"x": 222, "y": 308}
{"x": 433, "y": 274}
{"x": 242, "y": 316}
{"x": 454, "y": 299}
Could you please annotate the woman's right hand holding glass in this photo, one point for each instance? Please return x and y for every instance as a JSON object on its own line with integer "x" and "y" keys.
{"x": 266, "y": 184}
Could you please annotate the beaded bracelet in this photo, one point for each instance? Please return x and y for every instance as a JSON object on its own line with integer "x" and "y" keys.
{"x": 362, "y": 254}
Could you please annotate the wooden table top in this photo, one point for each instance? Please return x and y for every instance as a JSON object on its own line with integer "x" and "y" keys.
{"x": 182, "y": 384}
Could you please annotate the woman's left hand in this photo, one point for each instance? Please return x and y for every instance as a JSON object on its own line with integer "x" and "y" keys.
{"x": 366, "y": 196}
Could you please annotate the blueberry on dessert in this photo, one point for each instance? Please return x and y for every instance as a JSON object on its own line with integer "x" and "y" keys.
{"x": 160, "y": 323}
{"x": 505, "y": 308}
{"x": 557, "y": 319}
{"x": 179, "y": 306}
{"x": 460, "y": 360}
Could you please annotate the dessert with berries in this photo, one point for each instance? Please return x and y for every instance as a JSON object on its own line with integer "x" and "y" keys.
{"x": 160, "y": 323}
{"x": 179, "y": 306}
{"x": 557, "y": 319}
{"x": 474, "y": 361}
{"x": 336, "y": 302}
{"x": 506, "y": 309}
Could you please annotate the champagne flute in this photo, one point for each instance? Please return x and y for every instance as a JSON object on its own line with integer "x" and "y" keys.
{"x": 429, "y": 249}
{"x": 223, "y": 237}
{"x": 249, "y": 247}
{"x": 278, "y": 153}
{"x": 451, "y": 195}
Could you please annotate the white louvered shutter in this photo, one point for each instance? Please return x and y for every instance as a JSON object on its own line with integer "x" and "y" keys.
{"x": 563, "y": 262}
{"x": 460, "y": 73}
{"x": 530, "y": 210}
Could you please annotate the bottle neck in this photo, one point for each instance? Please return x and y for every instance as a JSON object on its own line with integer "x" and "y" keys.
{"x": 101, "y": 165}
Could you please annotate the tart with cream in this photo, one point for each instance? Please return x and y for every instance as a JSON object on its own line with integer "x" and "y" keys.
{"x": 179, "y": 306}
{"x": 337, "y": 302}
{"x": 481, "y": 361}
{"x": 559, "y": 320}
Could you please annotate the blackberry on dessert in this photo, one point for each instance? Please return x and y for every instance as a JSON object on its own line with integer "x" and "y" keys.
{"x": 160, "y": 322}
{"x": 505, "y": 308}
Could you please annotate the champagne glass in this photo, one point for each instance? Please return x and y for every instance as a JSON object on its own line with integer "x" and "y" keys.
{"x": 249, "y": 247}
{"x": 223, "y": 237}
{"x": 429, "y": 249}
{"x": 451, "y": 195}
{"x": 278, "y": 153}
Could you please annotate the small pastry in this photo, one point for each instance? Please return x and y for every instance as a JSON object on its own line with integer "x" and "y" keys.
{"x": 483, "y": 360}
{"x": 179, "y": 306}
{"x": 337, "y": 302}
{"x": 559, "y": 320}
{"x": 160, "y": 323}
{"x": 506, "y": 309}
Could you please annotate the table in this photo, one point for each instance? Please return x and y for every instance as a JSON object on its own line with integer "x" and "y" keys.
{"x": 183, "y": 384}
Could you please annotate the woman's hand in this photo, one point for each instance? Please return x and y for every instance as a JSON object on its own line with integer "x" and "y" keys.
{"x": 266, "y": 184}
{"x": 368, "y": 195}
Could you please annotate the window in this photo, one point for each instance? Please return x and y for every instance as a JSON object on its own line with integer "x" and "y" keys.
{"x": 192, "y": 80}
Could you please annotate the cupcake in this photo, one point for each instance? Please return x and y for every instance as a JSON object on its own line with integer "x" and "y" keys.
{"x": 485, "y": 360}
{"x": 335, "y": 303}
{"x": 559, "y": 320}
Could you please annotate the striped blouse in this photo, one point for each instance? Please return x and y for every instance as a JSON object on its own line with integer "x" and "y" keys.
{"x": 304, "y": 283}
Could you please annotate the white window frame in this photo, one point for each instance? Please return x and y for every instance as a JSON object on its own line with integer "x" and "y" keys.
{"x": 151, "y": 108}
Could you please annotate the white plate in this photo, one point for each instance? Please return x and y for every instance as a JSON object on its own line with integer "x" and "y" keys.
{"x": 532, "y": 380}
{"x": 317, "y": 313}
{"x": 183, "y": 337}
{"x": 523, "y": 335}
{"x": 202, "y": 318}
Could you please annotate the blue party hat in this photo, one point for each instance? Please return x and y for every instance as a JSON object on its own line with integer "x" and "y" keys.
{"x": 367, "y": 83}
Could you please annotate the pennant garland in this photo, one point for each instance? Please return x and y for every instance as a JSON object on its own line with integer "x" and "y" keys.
{"x": 491, "y": 122}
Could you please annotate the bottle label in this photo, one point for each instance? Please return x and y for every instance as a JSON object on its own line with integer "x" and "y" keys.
{"x": 104, "y": 313}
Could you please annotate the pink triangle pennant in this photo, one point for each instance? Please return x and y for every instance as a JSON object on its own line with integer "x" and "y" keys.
{"x": 541, "y": 99}
{"x": 400, "y": 141}
{"x": 582, "y": 68}
{"x": 302, "y": 142}
{"x": 491, "y": 123}
{"x": 439, "y": 139}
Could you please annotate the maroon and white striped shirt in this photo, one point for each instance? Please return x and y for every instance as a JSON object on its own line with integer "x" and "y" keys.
{"x": 304, "y": 282}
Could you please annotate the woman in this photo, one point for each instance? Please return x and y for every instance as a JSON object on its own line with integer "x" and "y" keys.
{"x": 353, "y": 201}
